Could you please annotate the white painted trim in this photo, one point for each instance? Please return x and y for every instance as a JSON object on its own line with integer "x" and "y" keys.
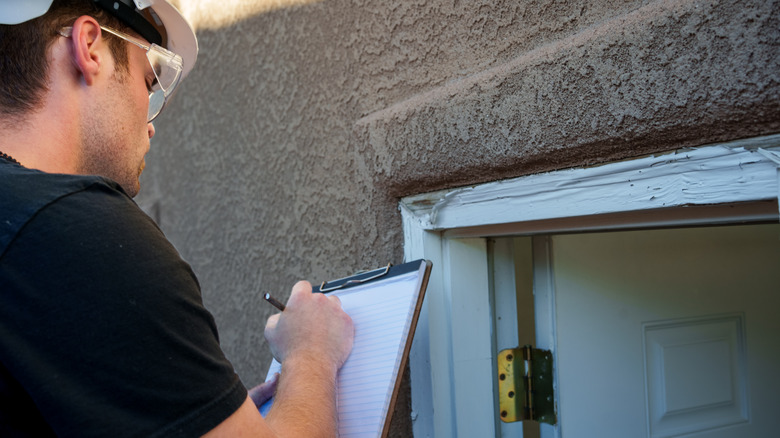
{"x": 773, "y": 156}
{"x": 471, "y": 325}
{"x": 504, "y": 302}
{"x": 544, "y": 312}
{"x": 455, "y": 306}
{"x": 706, "y": 180}
{"x": 704, "y": 176}
{"x": 432, "y": 413}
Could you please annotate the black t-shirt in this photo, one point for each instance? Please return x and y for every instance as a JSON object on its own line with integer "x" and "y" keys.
{"x": 102, "y": 327}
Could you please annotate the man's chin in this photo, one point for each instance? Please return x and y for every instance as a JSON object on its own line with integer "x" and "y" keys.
{"x": 132, "y": 189}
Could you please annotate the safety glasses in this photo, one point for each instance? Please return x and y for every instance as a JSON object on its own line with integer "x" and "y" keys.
{"x": 167, "y": 67}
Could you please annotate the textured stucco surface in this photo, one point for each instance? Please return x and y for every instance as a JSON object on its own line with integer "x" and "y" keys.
{"x": 285, "y": 152}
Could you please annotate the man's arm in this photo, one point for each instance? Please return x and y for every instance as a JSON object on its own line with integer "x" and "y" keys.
{"x": 312, "y": 339}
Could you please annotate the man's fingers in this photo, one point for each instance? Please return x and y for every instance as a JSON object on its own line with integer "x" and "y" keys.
{"x": 264, "y": 391}
{"x": 272, "y": 322}
{"x": 301, "y": 287}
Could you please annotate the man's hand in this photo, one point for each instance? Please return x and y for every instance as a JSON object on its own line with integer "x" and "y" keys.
{"x": 311, "y": 324}
{"x": 312, "y": 338}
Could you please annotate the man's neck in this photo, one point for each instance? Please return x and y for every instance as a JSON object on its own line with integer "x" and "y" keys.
{"x": 37, "y": 145}
{"x": 46, "y": 139}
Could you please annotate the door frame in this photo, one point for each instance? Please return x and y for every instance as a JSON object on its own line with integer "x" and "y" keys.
{"x": 736, "y": 182}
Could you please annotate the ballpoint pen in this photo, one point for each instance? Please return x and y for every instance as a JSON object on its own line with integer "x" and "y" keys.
{"x": 273, "y": 301}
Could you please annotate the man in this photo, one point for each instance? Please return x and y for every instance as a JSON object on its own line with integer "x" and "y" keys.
{"x": 102, "y": 328}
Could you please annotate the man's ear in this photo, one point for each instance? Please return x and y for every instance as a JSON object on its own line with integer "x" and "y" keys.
{"x": 86, "y": 39}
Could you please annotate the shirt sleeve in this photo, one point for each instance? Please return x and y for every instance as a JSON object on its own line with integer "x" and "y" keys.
{"x": 103, "y": 324}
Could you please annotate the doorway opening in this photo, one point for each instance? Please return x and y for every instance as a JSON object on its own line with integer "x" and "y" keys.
{"x": 655, "y": 333}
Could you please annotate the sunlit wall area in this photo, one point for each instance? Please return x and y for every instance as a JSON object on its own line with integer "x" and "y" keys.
{"x": 214, "y": 14}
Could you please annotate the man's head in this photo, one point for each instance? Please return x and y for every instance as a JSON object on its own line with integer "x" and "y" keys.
{"x": 87, "y": 78}
{"x": 28, "y": 28}
{"x": 23, "y": 54}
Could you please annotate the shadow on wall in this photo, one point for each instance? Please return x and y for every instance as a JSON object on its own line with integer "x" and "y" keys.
{"x": 216, "y": 14}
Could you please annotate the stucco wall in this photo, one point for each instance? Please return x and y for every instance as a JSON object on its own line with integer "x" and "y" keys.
{"x": 285, "y": 152}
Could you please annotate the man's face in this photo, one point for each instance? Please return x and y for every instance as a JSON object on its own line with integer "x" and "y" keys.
{"x": 116, "y": 134}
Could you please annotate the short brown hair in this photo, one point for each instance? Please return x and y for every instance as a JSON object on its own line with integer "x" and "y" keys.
{"x": 24, "y": 48}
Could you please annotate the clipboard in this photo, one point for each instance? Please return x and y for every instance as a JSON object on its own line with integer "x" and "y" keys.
{"x": 384, "y": 305}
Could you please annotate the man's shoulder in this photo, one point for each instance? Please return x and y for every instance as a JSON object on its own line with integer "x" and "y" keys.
{"x": 30, "y": 183}
{"x": 25, "y": 193}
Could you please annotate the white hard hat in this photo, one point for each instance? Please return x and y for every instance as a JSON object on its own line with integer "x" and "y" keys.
{"x": 155, "y": 20}
{"x": 15, "y": 12}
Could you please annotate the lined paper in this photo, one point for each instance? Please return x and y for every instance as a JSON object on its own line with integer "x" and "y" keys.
{"x": 382, "y": 313}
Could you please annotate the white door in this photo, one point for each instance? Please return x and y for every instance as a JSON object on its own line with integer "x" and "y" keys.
{"x": 670, "y": 332}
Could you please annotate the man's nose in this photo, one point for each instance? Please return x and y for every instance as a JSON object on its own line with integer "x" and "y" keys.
{"x": 151, "y": 130}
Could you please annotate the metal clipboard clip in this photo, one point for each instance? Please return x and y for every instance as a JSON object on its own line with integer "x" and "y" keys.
{"x": 381, "y": 272}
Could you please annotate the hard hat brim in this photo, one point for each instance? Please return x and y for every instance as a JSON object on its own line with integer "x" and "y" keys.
{"x": 19, "y": 12}
{"x": 181, "y": 38}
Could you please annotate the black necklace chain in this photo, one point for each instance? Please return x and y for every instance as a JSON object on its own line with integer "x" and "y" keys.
{"x": 7, "y": 157}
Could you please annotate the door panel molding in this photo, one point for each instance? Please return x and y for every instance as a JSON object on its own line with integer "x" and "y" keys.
{"x": 695, "y": 374}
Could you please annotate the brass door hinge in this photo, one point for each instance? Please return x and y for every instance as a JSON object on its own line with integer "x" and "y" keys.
{"x": 525, "y": 385}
